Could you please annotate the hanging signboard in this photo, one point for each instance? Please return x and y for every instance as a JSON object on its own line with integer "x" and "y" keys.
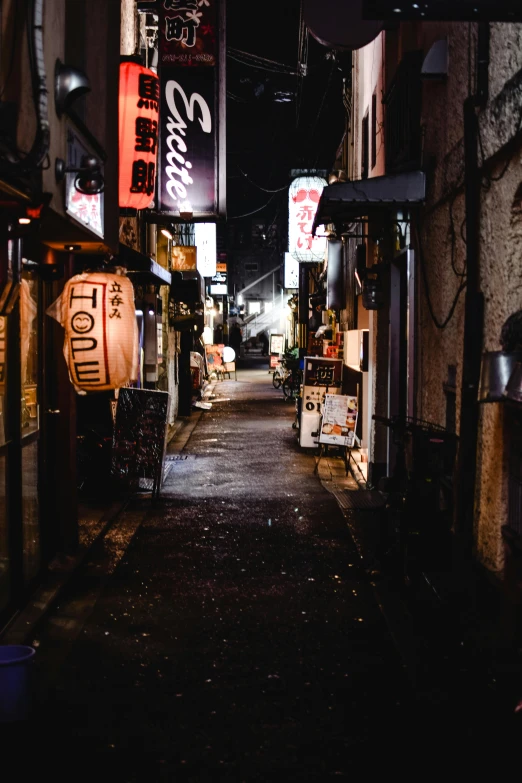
{"x": 138, "y": 135}
{"x": 339, "y": 420}
{"x": 183, "y": 258}
{"x": 188, "y": 32}
{"x": 87, "y": 210}
{"x": 219, "y": 285}
{"x": 205, "y": 241}
{"x": 192, "y": 59}
{"x": 303, "y": 198}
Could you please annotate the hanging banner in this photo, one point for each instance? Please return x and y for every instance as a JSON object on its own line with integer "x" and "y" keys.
{"x": 187, "y": 32}
{"x": 303, "y": 199}
{"x": 101, "y": 332}
{"x": 192, "y": 158}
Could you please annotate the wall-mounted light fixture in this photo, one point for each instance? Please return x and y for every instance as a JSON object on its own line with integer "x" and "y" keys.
{"x": 185, "y": 210}
{"x": 166, "y": 233}
{"x": 69, "y": 84}
{"x": 89, "y": 178}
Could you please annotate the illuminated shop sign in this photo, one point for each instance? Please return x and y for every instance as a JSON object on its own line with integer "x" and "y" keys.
{"x": 303, "y": 198}
{"x": 138, "y": 135}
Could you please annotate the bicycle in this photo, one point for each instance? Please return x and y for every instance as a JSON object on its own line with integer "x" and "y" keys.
{"x": 416, "y": 526}
{"x": 279, "y": 375}
{"x": 291, "y": 385}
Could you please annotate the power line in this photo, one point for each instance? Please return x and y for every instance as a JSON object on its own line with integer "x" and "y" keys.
{"x": 247, "y": 56}
{"x": 247, "y": 214}
{"x": 266, "y": 190}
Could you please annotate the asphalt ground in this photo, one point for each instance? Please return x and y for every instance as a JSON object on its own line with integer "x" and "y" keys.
{"x": 230, "y": 631}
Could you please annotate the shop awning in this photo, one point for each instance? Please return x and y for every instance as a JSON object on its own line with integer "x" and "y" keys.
{"x": 346, "y": 201}
{"x": 142, "y": 268}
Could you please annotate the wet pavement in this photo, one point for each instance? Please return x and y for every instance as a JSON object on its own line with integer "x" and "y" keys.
{"x": 230, "y": 631}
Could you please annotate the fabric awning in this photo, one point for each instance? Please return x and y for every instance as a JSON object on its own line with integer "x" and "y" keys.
{"x": 142, "y": 268}
{"x": 346, "y": 201}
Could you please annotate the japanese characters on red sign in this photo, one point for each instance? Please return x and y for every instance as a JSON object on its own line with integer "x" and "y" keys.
{"x": 138, "y": 135}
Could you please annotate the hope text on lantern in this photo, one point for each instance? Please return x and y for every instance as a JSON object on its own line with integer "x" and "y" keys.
{"x": 85, "y": 322}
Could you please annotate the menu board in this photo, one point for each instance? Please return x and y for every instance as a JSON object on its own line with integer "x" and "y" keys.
{"x": 339, "y": 420}
{"x": 277, "y": 342}
{"x": 140, "y": 432}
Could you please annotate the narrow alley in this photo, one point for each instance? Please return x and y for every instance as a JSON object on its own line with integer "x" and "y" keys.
{"x": 229, "y": 631}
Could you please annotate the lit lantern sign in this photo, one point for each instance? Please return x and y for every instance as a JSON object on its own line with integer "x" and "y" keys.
{"x": 303, "y": 199}
{"x": 101, "y": 332}
{"x": 205, "y": 241}
{"x": 138, "y": 135}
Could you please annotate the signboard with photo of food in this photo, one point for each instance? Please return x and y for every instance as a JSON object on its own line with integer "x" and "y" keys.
{"x": 339, "y": 420}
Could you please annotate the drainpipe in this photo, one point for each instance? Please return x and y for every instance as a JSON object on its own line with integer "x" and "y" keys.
{"x": 473, "y": 310}
{"x": 303, "y": 309}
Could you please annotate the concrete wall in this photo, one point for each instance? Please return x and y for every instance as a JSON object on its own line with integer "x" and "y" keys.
{"x": 368, "y": 79}
{"x": 443, "y": 247}
{"x": 98, "y": 55}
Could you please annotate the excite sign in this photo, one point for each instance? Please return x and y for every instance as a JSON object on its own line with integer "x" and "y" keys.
{"x": 192, "y": 164}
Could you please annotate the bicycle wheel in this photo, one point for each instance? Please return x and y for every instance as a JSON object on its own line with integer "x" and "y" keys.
{"x": 276, "y": 380}
{"x": 291, "y": 387}
{"x": 287, "y": 387}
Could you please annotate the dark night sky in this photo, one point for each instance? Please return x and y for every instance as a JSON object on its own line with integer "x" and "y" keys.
{"x": 276, "y": 120}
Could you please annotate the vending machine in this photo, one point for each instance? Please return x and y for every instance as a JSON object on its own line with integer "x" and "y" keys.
{"x": 321, "y": 376}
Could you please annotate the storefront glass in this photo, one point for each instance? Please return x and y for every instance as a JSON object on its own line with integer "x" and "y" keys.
{"x": 30, "y": 511}
{"x": 3, "y": 343}
{"x": 29, "y": 360}
{"x": 4, "y": 541}
{"x": 29, "y": 349}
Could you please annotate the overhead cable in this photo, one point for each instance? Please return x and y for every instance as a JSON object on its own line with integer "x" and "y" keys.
{"x": 253, "y": 58}
{"x": 247, "y": 214}
{"x": 266, "y": 190}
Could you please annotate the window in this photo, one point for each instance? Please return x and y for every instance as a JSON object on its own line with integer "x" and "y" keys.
{"x": 254, "y": 307}
{"x": 374, "y": 130}
{"x": 365, "y": 147}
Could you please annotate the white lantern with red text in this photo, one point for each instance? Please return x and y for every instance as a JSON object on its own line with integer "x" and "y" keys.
{"x": 101, "y": 332}
{"x": 138, "y": 134}
{"x": 303, "y": 197}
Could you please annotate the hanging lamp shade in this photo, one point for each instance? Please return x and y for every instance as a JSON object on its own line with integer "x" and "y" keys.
{"x": 513, "y": 390}
{"x": 138, "y": 134}
{"x": 101, "y": 346}
{"x": 495, "y": 372}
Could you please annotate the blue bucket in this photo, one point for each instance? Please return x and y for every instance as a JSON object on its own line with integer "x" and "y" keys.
{"x": 15, "y": 682}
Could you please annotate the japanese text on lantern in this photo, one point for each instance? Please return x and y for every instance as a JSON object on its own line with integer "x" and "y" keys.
{"x": 86, "y": 319}
{"x": 101, "y": 346}
{"x": 304, "y": 195}
{"x": 139, "y": 107}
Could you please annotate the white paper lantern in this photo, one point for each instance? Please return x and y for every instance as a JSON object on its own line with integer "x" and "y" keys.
{"x": 303, "y": 198}
{"x": 101, "y": 332}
